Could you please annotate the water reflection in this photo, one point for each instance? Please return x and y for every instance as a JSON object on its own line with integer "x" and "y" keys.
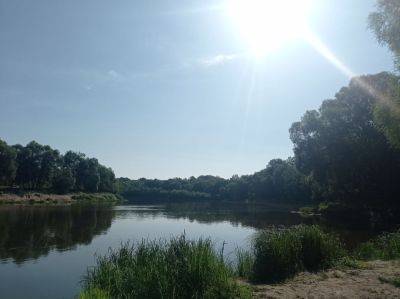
{"x": 44, "y": 251}
{"x": 254, "y": 216}
{"x": 28, "y": 232}
{"x": 259, "y": 216}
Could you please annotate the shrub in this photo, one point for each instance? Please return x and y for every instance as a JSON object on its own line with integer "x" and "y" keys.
{"x": 319, "y": 250}
{"x": 368, "y": 251}
{"x": 277, "y": 255}
{"x": 175, "y": 269}
{"x": 385, "y": 247}
{"x": 280, "y": 254}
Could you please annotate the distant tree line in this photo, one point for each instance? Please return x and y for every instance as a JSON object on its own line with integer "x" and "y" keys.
{"x": 39, "y": 167}
{"x": 279, "y": 181}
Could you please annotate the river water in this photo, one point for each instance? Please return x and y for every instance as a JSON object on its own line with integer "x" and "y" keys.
{"x": 45, "y": 250}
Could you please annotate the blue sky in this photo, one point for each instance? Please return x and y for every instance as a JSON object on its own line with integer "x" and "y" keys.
{"x": 166, "y": 88}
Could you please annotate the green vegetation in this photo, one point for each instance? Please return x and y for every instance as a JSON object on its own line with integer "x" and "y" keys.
{"x": 280, "y": 254}
{"x": 97, "y": 197}
{"x": 279, "y": 181}
{"x": 385, "y": 247}
{"x": 41, "y": 168}
{"x": 385, "y": 23}
{"x": 244, "y": 263}
{"x": 94, "y": 294}
{"x": 178, "y": 268}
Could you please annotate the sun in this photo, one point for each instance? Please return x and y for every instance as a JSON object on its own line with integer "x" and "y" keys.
{"x": 265, "y": 25}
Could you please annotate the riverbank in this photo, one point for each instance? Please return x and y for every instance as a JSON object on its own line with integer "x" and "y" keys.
{"x": 376, "y": 279}
{"x": 298, "y": 262}
{"x": 44, "y": 198}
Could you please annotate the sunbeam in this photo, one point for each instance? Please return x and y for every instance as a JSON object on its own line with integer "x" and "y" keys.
{"x": 318, "y": 45}
{"x": 335, "y": 61}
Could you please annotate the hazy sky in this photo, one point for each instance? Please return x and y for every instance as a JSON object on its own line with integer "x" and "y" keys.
{"x": 166, "y": 88}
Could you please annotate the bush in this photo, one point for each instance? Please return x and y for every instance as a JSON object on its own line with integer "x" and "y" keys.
{"x": 175, "y": 269}
{"x": 385, "y": 247}
{"x": 319, "y": 250}
{"x": 280, "y": 254}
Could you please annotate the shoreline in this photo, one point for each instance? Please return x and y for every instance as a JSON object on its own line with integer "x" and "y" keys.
{"x": 38, "y": 198}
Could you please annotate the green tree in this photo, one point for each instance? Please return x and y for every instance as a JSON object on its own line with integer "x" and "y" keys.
{"x": 8, "y": 165}
{"x": 107, "y": 179}
{"x": 387, "y": 113}
{"x": 50, "y": 160}
{"x": 343, "y": 150}
{"x": 63, "y": 181}
{"x": 36, "y": 165}
{"x": 385, "y": 23}
{"x": 88, "y": 176}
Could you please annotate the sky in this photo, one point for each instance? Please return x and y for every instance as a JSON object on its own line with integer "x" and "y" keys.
{"x": 167, "y": 88}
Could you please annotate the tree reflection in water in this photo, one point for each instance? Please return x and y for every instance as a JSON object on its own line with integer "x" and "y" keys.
{"x": 28, "y": 232}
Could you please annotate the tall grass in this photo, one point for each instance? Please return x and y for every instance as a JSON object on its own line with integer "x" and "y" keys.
{"x": 384, "y": 247}
{"x": 181, "y": 268}
{"x": 244, "y": 263}
{"x": 178, "y": 268}
{"x": 280, "y": 254}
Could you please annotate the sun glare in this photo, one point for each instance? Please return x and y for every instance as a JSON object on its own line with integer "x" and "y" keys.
{"x": 265, "y": 25}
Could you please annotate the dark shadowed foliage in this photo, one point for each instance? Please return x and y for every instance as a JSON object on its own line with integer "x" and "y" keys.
{"x": 341, "y": 148}
{"x": 280, "y": 254}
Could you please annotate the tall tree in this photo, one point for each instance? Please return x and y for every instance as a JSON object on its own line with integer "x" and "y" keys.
{"x": 71, "y": 162}
{"x": 107, "y": 179}
{"x": 385, "y": 23}
{"x": 341, "y": 147}
{"x": 8, "y": 166}
{"x": 88, "y": 175}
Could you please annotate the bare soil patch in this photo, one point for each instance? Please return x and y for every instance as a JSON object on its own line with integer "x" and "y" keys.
{"x": 372, "y": 281}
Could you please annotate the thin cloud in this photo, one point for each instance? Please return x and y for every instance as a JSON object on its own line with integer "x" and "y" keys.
{"x": 115, "y": 75}
{"x": 218, "y": 59}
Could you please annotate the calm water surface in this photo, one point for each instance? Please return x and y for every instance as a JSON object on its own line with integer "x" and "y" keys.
{"x": 45, "y": 251}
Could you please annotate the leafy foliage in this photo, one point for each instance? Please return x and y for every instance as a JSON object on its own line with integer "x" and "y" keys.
{"x": 385, "y": 247}
{"x": 385, "y": 23}
{"x": 8, "y": 165}
{"x": 39, "y": 167}
{"x": 279, "y": 181}
{"x": 341, "y": 149}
